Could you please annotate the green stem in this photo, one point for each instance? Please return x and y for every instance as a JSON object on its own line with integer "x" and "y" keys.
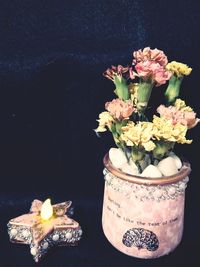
{"x": 120, "y": 145}
{"x": 121, "y": 88}
{"x": 139, "y": 167}
{"x": 162, "y": 148}
{"x": 115, "y": 137}
{"x": 143, "y": 95}
{"x": 173, "y": 89}
{"x": 136, "y": 154}
{"x": 151, "y": 158}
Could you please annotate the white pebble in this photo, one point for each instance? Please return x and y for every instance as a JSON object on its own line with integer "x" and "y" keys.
{"x": 130, "y": 168}
{"x": 68, "y": 235}
{"x": 177, "y": 161}
{"x": 13, "y": 232}
{"x": 167, "y": 166}
{"x": 117, "y": 157}
{"x": 45, "y": 245}
{"x": 132, "y": 164}
{"x": 33, "y": 251}
{"x": 151, "y": 171}
{"x": 55, "y": 237}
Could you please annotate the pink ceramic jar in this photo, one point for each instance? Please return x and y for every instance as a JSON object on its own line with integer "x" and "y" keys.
{"x": 143, "y": 217}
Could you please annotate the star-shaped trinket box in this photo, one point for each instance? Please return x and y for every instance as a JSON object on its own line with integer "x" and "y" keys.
{"x": 45, "y": 226}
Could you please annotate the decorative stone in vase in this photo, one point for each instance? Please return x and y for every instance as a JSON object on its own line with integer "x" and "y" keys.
{"x": 143, "y": 216}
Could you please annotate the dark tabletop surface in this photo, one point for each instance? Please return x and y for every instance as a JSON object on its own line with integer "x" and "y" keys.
{"x": 52, "y": 55}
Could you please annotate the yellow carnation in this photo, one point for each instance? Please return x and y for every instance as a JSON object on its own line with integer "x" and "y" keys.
{"x": 164, "y": 129}
{"x": 139, "y": 134}
{"x": 179, "y": 69}
{"x": 100, "y": 129}
{"x": 149, "y": 146}
{"x": 180, "y": 105}
{"x": 105, "y": 120}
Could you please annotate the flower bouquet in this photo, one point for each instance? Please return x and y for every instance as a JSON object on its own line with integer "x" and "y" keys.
{"x": 145, "y": 180}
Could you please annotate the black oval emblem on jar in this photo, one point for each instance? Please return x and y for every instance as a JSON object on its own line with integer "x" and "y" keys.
{"x": 141, "y": 238}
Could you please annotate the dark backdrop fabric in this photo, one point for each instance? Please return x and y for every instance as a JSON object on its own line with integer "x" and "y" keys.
{"x": 52, "y": 55}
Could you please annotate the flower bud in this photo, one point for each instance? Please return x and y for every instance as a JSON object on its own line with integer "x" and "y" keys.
{"x": 173, "y": 88}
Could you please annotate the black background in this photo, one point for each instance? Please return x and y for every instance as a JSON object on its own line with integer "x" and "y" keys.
{"x": 52, "y": 55}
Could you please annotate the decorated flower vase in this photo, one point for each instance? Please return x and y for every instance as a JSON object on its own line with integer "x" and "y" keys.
{"x": 143, "y": 217}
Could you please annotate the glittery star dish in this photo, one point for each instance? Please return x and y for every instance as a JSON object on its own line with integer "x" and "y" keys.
{"x": 41, "y": 235}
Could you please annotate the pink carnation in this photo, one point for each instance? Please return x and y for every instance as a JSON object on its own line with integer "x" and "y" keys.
{"x": 112, "y": 72}
{"x": 187, "y": 118}
{"x": 120, "y": 109}
{"x": 132, "y": 73}
{"x": 150, "y": 70}
{"x": 154, "y": 55}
